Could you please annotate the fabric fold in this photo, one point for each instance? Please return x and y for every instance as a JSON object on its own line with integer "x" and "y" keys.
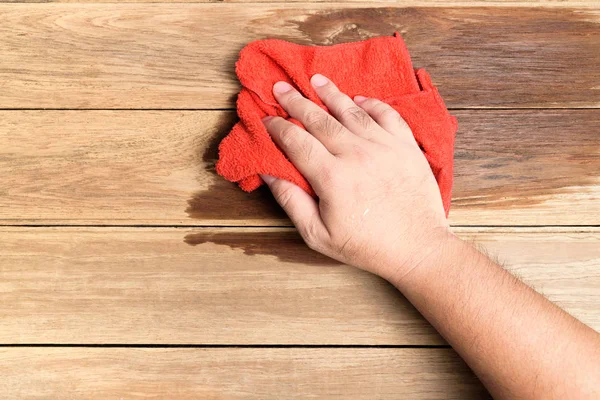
{"x": 380, "y": 67}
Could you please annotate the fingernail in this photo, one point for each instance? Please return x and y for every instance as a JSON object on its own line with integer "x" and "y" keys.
{"x": 282, "y": 87}
{"x": 359, "y": 99}
{"x": 267, "y": 119}
{"x": 318, "y": 80}
{"x": 268, "y": 179}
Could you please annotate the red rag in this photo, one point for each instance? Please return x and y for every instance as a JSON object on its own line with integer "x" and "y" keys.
{"x": 378, "y": 67}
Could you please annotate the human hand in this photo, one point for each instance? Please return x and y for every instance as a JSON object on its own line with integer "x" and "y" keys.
{"x": 379, "y": 205}
{"x": 380, "y": 209}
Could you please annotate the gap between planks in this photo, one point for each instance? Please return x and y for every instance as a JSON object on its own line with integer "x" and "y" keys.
{"x": 400, "y": 3}
{"x": 224, "y": 346}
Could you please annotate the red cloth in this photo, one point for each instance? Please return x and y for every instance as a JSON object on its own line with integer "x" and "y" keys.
{"x": 378, "y": 67}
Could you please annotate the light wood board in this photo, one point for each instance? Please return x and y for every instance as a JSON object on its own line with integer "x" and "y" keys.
{"x": 109, "y": 373}
{"x": 167, "y": 55}
{"x": 157, "y": 168}
{"x": 245, "y": 286}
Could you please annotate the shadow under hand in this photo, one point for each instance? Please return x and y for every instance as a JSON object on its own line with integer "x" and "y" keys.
{"x": 224, "y": 200}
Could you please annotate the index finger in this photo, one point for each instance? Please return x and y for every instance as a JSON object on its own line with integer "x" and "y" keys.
{"x": 304, "y": 150}
{"x": 334, "y": 136}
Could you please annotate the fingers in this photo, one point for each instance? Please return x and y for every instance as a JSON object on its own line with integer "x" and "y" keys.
{"x": 323, "y": 126}
{"x": 385, "y": 116}
{"x": 302, "y": 209}
{"x": 344, "y": 109}
{"x": 304, "y": 150}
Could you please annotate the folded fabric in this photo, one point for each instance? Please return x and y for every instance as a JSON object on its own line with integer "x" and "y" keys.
{"x": 378, "y": 67}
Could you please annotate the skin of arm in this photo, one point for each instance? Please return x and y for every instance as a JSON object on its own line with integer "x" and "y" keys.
{"x": 379, "y": 209}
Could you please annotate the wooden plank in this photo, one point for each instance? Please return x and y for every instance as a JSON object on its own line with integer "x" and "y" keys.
{"x": 182, "y": 56}
{"x": 245, "y": 286}
{"x": 520, "y": 168}
{"x": 236, "y": 373}
{"x": 157, "y": 168}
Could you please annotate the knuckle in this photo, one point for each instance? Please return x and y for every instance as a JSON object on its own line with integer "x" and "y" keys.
{"x": 332, "y": 128}
{"x": 288, "y": 135}
{"x": 371, "y": 103}
{"x": 334, "y": 97}
{"x": 314, "y": 119}
{"x": 387, "y": 111}
{"x": 293, "y": 99}
{"x": 321, "y": 122}
{"x": 307, "y": 148}
{"x": 310, "y": 234}
{"x": 356, "y": 116}
{"x": 283, "y": 196}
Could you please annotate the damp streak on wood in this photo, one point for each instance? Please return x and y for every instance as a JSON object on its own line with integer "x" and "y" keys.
{"x": 287, "y": 246}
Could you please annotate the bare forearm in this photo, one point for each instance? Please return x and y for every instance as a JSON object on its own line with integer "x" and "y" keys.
{"x": 518, "y": 343}
{"x": 377, "y": 196}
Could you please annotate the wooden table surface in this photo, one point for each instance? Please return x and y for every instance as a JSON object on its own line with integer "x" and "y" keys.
{"x": 128, "y": 269}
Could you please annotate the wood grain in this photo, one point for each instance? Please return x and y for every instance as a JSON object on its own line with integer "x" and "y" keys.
{"x": 182, "y": 56}
{"x": 236, "y": 374}
{"x": 245, "y": 286}
{"x": 157, "y": 168}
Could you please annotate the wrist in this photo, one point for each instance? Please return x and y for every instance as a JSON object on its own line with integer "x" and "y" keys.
{"x": 438, "y": 250}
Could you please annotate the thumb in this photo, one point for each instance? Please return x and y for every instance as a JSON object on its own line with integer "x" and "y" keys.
{"x": 302, "y": 209}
